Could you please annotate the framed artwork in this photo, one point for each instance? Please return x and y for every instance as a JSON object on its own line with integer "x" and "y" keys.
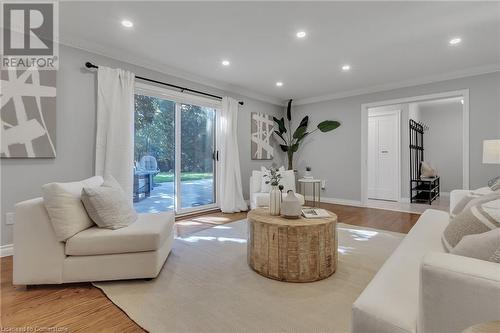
{"x": 261, "y": 129}
{"x": 28, "y": 113}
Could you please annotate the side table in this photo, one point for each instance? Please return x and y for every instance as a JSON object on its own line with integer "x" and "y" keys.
{"x": 316, "y": 187}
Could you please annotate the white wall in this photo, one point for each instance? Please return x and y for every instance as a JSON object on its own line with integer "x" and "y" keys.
{"x": 443, "y": 141}
{"x": 76, "y": 104}
{"x": 336, "y": 156}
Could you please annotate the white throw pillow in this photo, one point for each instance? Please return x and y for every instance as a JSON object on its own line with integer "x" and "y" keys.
{"x": 266, "y": 188}
{"x": 484, "y": 246}
{"x": 65, "y": 208}
{"x": 108, "y": 206}
{"x": 256, "y": 180}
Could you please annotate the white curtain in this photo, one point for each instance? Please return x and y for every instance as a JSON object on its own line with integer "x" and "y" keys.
{"x": 231, "y": 191}
{"x": 114, "y": 154}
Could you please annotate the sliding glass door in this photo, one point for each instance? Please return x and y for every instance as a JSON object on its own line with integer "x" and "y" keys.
{"x": 175, "y": 146}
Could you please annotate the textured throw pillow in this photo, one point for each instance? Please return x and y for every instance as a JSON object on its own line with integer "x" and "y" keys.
{"x": 474, "y": 220}
{"x": 266, "y": 188}
{"x": 484, "y": 246}
{"x": 64, "y": 206}
{"x": 108, "y": 206}
{"x": 427, "y": 171}
{"x": 494, "y": 184}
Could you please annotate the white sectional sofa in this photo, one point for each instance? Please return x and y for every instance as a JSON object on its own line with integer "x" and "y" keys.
{"x": 423, "y": 289}
{"x": 94, "y": 254}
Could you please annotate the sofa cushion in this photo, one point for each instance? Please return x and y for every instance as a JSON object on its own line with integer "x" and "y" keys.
{"x": 65, "y": 208}
{"x": 108, "y": 206}
{"x": 147, "y": 234}
{"x": 484, "y": 246}
{"x": 390, "y": 302}
{"x": 473, "y": 220}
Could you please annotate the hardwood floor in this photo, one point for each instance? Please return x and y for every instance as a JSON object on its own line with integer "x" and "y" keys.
{"x": 84, "y": 308}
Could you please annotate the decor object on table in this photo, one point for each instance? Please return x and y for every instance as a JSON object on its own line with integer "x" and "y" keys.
{"x": 291, "y": 141}
{"x": 274, "y": 178}
{"x": 231, "y": 189}
{"x": 427, "y": 171}
{"x": 308, "y": 173}
{"x": 308, "y": 246}
{"x": 262, "y": 127}
{"x": 316, "y": 189}
{"x": 290, "y": 206}
{"x": 259, "y": 197}
{"x": 314, "y": 213}
{"x": 265, "y": 173}
{"x": 28, "y": 113}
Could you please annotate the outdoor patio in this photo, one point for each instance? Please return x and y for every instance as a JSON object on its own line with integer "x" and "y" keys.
{"x": 194, "y": 193}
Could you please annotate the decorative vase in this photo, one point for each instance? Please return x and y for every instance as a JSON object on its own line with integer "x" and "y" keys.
{"x": 274, "y": 201}
{"x": 291, "y": 207}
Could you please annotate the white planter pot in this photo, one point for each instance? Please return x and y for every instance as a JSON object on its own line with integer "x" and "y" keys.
{"x": 274, "y": 201}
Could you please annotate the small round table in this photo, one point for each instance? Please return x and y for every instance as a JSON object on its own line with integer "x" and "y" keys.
{"x": 300, "y": 250}
{"x": 302, "y": 189}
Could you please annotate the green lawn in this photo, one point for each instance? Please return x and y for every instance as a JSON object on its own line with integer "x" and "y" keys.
{"x": 164, "y": 177}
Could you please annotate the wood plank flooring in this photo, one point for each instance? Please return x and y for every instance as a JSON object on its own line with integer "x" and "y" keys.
{"x": 83, "y": 308}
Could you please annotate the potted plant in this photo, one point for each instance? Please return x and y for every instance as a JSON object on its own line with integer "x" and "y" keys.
{"x": 274, "y": 178}
{"x": 308, "y": 174}
{"x": 291, "y": 141}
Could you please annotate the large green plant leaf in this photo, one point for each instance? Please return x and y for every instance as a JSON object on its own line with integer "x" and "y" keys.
{"x": 289, "y": 110}
{"x": 328, "y": 125}
{"x": 295, "y": 147}
{"x": 302, "y": 137}
{"x": 280, "y": 135}
{"x": 304, "y": 122}
{"x": 299, "y": 132}
{"x": 281, "y": 124}
{"x": 284, "y": 148}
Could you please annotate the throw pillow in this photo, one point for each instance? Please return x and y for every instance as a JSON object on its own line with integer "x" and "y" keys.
{"x": 494, "y": 184}
{"x": 64, "y": 206}
{"x": 459, "y": 207}
{"x": 266, "y": 188}
{"x": 427, "y": 171}
{"x": 108, "y": 206}
{"x": 288, "y": 181}
{"x": 474, "y": 220}
{"x": 484, "y": 246}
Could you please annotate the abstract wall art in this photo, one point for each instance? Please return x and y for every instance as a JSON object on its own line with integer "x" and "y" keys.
{"x": 28, "y": 113}
{"x": 262, "y": 128}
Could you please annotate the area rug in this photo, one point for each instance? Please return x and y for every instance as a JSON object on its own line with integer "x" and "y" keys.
{"x": 207, "y": 286}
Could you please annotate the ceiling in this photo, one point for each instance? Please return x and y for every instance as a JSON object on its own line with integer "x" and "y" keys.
{"x": 386, "y": 43}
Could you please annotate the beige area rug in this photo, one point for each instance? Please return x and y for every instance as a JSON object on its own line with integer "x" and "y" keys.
{"x": 207, "y": 286}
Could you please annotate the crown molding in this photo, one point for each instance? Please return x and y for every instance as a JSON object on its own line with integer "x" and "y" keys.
{"x": 175, "y": 72}
{"x": 402, "y": 84}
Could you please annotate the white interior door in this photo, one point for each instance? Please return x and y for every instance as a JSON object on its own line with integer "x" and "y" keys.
{"x": 383, "y": 156}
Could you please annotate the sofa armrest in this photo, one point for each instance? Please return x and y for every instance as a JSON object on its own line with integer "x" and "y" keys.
{"x": 457, "y": 292}
{"x": 38, "y": 255}
{"x": 456, "y": 196}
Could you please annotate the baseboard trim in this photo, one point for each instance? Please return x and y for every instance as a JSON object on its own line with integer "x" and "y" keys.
{"x": 6, "y": 250}
{"x": 338, "y": 201}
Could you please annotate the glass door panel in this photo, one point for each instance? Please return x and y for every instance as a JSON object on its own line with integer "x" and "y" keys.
{"x": 196, "y": 182}
{"x": 154, "y": 154}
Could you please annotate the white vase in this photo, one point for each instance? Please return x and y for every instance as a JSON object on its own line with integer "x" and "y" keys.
{"x": 274, "y": 201}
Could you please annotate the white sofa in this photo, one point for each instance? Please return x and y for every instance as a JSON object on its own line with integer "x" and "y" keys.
{"x": 423, "y": 289}
{"x": 94, "y": 254}
{"x": 261, "y": 199}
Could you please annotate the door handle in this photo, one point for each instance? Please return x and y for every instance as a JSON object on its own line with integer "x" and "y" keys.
{"x": 384, "y": 151}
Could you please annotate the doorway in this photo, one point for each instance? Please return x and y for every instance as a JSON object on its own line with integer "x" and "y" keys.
{"x": 384, "y": 154}
{"x": 406, "y": 112}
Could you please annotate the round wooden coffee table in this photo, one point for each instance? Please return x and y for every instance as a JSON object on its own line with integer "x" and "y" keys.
{"x": 300, "y": 250}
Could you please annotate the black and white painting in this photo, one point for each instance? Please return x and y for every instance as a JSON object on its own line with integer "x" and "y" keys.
{"x": 28, "y": 113}
{"x": 262, "y": 127}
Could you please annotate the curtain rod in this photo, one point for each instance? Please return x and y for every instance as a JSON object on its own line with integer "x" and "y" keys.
{"x": 182, "y": 89}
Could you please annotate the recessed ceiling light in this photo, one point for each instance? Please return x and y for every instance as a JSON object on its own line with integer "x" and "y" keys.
{"x": 279, "y": 84}
{"x": 455, "y": 41}
{"x": 225, "y": 63}
{"x": 301, "y": 34}
{"x": 127, "y": 23}
{"x": 345, "y": 68}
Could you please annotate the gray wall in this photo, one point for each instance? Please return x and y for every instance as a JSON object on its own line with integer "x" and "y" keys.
{"x": 443, "y": 141}
{"x": 336, "y": 156}
{"x": 76, "y": 104}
